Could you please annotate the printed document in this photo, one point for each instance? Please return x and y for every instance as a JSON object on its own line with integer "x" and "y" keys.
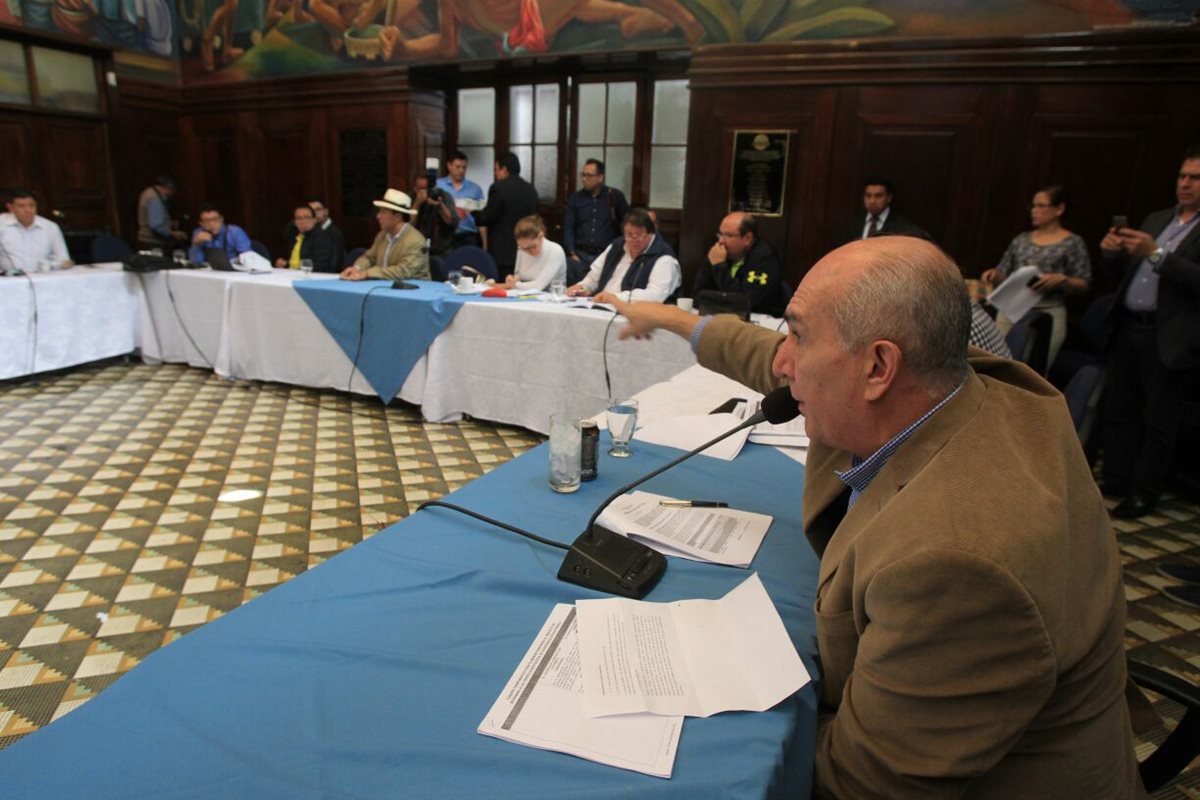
{"x": 542, "y": 706}
{"x": 720, "y": 535}
{"x": 691, "y": 657}
{"x": 1014, "y": 298}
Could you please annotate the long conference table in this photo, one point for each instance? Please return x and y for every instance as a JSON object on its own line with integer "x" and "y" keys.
{"x": 367, "y": 676}
{"x": 508, "y": 361}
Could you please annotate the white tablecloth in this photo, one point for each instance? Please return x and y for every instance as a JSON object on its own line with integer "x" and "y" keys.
{"x": 83, "y": 315}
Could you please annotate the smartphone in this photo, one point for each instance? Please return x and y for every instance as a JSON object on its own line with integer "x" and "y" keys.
{"x": 1120, "y": 221}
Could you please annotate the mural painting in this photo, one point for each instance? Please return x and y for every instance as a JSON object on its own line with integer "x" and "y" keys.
{"x": 229, "y": 40}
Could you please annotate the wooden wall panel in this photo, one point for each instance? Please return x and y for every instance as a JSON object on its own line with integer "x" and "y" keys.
{"x": 16, "y": 143}
{"x": 79, "y": 175}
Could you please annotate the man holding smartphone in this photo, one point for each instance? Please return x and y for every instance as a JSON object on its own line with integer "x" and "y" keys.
{"x": 1155, "y": 324}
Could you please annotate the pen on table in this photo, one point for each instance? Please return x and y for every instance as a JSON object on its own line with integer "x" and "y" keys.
{"x": 693, "y": 503}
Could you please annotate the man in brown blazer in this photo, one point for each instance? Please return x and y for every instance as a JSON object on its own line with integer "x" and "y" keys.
{"x": 970, "y": 611}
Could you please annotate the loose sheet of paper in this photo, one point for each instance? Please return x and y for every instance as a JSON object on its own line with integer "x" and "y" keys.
{"x": 690, "y": 431}
{"x": 720, "y": 535}
{"x": 786, "y": 434}
{"x": 542, "y": 706}
{"x": 692, "y": 657}
{"x": 1014, "y": 298}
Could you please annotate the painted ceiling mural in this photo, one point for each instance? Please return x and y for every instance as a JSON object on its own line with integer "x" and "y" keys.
{"x": 219, "y": 40}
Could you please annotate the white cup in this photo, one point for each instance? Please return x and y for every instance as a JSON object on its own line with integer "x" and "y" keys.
{"x": 684, "y": 303}
{"x": 465, "y": 282}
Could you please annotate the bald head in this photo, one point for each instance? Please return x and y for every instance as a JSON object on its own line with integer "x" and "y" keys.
{"x": 903, "y": 290}
{"x": 738, "y": 232}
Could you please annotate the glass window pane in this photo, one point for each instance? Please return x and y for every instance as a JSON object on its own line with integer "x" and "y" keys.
{"x": 545, "y": 171}
{"x": 525, "y": 153}
{"x": 670, "y": 112}
{"x": 591, "y": 112}
{"x": 582, "y": 154}
{"x": 666, "y": 176}
{"x": 547, "y": 113}
{"x": 622, "y": 106}
{"x": 477, "y": 118}
{"x": 66, "y": 81}
{"x": 520, "y": 114}
{"x": 14, "y": 80}
{"x": 480, "y": 161}
{"x": 618, "y": 169}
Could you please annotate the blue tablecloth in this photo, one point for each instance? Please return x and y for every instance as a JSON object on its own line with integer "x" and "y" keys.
{"x": 387, "y": 333}
{"x": 367, "y": 676}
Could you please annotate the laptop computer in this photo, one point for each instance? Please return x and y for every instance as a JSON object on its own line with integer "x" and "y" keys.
{"x": 218, "y": 259}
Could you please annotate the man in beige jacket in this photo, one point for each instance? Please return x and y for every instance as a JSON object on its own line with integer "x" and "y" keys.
{"x": 969, "y": 610}
{"x": 399, "y": 251}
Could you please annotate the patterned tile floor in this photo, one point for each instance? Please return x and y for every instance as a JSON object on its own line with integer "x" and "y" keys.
{"x": 113, "y": 541}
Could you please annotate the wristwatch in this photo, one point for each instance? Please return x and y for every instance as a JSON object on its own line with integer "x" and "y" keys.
{"x": 1156, "y": 258}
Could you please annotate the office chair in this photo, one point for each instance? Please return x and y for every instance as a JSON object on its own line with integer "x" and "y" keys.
{"x": 107, "y": 248}
{"x": 260, "y": 248}
{"x": 1029, "y": 340}
{"x": 1182, "y": 744}
{"x": 474, "y": 257}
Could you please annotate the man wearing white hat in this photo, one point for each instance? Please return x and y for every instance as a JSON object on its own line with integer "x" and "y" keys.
{"x": 399, "y": 250}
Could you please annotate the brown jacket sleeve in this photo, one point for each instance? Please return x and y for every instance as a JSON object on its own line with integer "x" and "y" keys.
{"x": 740, "y": 351}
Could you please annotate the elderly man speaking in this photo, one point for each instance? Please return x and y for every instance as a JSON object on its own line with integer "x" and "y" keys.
{"x": 970, "y": 629}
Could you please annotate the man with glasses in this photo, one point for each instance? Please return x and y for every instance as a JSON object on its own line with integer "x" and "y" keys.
{"x": 308, "y": 242}
{"x": 213, "y": 232}
{"x": 741, "y": 262}
{"x": 638, "y": 265}
{"x": 590, "y": 221}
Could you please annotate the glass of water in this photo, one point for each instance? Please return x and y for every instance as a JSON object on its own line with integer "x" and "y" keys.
{"x": 306, "y": 267}
{"x": 565, "y": 449}
{"x": 622, "y": 419}
{"x": 452, "y": 278}
{"x": 558, "y": 290}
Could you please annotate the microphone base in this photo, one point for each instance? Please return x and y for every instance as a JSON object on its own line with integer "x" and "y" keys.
{"x": 635, "y": 567}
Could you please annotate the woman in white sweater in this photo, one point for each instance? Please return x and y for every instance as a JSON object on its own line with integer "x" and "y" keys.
{"x": 540, "y": 261}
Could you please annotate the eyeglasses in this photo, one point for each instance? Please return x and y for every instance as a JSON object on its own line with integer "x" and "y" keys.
{"x": 528, "y": 248}
{"x": 724, "y": 235}
{"x": 636, "y": 236}
{"x": 589, "y": 174}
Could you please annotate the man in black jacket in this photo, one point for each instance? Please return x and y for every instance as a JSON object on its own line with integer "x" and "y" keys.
{"x": 1155, "y": 343}
{"x": 308, "y": 242}
{"x": 510, "y": 198}
{"x": 741, "y": 262}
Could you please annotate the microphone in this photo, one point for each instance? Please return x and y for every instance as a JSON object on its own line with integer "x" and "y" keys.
{"x": 609, "y": 562}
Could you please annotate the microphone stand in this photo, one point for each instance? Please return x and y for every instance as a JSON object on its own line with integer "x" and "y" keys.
{"x": 609, "y": 562}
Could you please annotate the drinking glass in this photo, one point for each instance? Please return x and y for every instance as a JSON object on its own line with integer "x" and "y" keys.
{"x": 565, "y": 448}
{"x": 558, "y": 290}
{"x": 452, "y": 278}
{"x": 622, "y": 419}
{"x": 180, "y": 258}
{"x": 306, "y": 268}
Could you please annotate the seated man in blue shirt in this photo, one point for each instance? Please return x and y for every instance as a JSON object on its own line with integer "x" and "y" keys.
{"x": 213, "y": 232}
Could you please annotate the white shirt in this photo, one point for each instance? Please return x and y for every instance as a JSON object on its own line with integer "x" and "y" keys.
{"x": 664, "y": 278}
{"x": 883, "y": 215}
{"x": 541, "y": 271}
{"x": 25, "y": 247}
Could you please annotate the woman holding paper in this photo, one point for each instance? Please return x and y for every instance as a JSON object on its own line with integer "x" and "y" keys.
{"x": 1060, "y": 255}
{"x": 540, "y": 261}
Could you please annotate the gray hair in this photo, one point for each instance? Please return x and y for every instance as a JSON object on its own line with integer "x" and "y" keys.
{"x": 911, "y": 294}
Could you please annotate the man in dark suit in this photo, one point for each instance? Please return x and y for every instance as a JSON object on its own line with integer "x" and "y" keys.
{"x": 509, "y": 199}
{"x": 336, "y": 239}
{"x": 308, "y": 242}
{"x": 879, "y": 217}
{"x": 1155, "y": 323}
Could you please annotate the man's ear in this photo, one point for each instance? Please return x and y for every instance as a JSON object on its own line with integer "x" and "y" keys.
{"x": 882, "y": 366}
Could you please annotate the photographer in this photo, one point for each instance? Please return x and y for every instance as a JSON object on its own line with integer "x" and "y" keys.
{"x": 436, "y": 215}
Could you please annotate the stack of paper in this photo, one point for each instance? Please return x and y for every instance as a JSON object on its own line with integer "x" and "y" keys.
{"x": 611, "y": 680}
{"x": 720, "y": 535}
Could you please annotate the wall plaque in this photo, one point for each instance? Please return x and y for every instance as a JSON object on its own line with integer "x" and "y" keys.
{"x": 759, "y": 172}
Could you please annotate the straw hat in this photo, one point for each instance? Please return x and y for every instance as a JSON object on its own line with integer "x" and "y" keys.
{"x": 396, "y": 200}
